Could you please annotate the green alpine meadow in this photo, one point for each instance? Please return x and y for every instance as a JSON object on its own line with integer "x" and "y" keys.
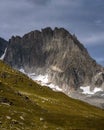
{"x": 26, "y": 105}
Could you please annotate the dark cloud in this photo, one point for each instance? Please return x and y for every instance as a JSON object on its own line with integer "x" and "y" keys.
{"x": 85, "y": 18}
{"x": 40, "y": 2}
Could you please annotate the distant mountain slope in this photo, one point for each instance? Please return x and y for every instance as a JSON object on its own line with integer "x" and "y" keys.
{"x": 56, "y": 53}
{"x": 25, "y": 105}
{"x": 3, "y": 45}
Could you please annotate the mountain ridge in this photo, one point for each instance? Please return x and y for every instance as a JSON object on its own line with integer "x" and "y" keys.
{"x": 53, "y": 51}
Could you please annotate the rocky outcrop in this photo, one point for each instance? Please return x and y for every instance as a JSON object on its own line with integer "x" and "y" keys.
{"x": 3, "y": 45}
{"x": 98, "y": 80}
{"x": 56, "y": 53}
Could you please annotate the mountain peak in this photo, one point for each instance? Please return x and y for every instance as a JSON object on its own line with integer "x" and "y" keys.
{"x": 56, "y": 53}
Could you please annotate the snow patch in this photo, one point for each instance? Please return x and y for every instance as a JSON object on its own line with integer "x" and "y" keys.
{"x": 54, "y": 87}
{"x": 42, "y": 79}
{"x": 22, "y": 70}
{"x": 97, "y": 90}
{"x": 2, "y": 57}
{"x": 99, "y": 73}
{"x": 86, "y": 90}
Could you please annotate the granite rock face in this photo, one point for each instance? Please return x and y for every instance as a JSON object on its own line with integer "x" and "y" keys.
{"x": 3, "y": 45}
{"x": 98, "y": 80}
{"x": 56, "y": 53}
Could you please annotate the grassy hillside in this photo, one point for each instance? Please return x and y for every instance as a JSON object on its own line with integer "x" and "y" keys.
{"x": 25, "y": 105}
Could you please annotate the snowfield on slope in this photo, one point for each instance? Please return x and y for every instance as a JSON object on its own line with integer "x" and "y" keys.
{"x": 86, "y": 90}
{"x": 42, "y": 79}
{"x": 2, "y": 57}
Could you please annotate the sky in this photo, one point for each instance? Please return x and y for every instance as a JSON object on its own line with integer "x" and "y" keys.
{"x": 84, "y": 18}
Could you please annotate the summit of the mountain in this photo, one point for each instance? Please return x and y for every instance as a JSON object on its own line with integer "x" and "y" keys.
{"x": 56, "y": 53}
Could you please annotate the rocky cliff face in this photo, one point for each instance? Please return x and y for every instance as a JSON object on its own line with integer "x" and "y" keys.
{"x": 56, "y": 53}
{"x": 3, "y": 45}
